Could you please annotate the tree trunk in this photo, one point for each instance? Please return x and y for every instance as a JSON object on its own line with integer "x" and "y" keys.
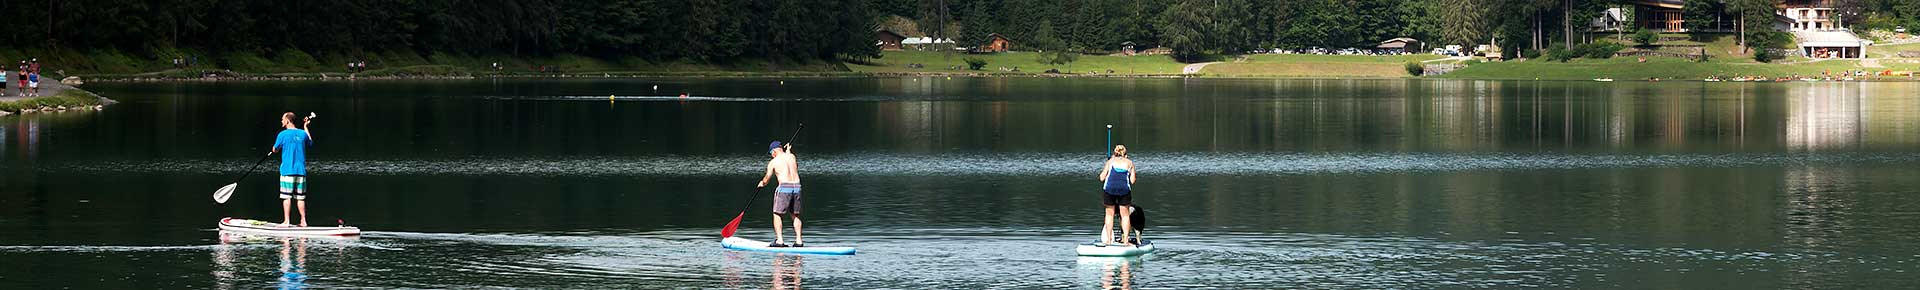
{"x": 1536, "y": 31}
{"x": 1566, "y": 22}
{"x": 1742, "y": 30}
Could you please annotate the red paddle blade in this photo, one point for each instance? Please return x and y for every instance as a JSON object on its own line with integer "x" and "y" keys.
{"x": 727, "y": 232}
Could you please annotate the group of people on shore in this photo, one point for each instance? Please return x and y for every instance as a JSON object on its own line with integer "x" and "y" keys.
{"x": 28, "y": 77}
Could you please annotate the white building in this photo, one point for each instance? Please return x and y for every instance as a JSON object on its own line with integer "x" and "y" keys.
{"x": 1810, "y": 15}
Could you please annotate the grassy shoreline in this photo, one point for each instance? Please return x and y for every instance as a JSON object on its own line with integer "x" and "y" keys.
{"x": 1029, "y": 64}
{"x": 72, "y": 98}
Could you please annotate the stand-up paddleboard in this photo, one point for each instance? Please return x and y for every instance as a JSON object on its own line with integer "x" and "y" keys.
{"x": 744, "y": 244}
{"x": 1114, "y": 250}
{"x": 270, "y": 228}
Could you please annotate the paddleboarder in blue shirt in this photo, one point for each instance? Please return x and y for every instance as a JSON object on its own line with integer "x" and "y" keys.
{"x": 1117, "y": 187}
{"x": 786, "y": 197}
{"x": 292, "y": 144}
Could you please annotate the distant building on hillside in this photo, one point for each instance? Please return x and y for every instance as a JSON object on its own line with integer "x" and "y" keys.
{"x": 888, "y": 40}
{"x": 1611, "y": 20}
{"x": 1830, "y": 44}
{"x": 1792, "y": 15}
{"x": 1400, "y": 45}
{"x": 1809, "y": 15}
{"x": 1659, "y": 15}
{"x": 995, "y": 43}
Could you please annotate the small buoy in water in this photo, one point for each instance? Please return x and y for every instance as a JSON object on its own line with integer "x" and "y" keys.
{"x": 683, "y": 95}
{"x": 949, "y": 78}
{"x": 656, "y": 87}
{"x": 609, "y": 98}
{"x": 783, "y": 83}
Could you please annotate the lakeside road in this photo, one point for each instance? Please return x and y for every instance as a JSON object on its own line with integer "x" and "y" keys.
{"x": 1195, "y": 68}
{"x": 47, "y": 89}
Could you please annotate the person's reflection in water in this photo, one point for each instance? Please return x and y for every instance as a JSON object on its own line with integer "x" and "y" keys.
{"x": 786, "y": 271}
{"x": 1118, "y": 273}
{"x": 293, "y": 261}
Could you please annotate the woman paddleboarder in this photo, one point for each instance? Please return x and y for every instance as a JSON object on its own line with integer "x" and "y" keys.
{"x": 1117, "y": 194}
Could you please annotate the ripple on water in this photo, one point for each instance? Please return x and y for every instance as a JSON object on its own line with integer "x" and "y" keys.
{"x": 1022, "y": 164}
{"x": 988, "y": 258}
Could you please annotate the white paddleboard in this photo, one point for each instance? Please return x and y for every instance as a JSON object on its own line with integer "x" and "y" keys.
{"x": 744, "y": 244}
{"x": 1114, "y": 250}
{"x": 271, "y": 228}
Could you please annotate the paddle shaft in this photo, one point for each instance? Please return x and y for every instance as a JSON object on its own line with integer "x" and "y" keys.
{"x": 256, "y": 165}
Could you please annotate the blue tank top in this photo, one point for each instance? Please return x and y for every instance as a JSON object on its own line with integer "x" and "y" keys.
{"x": 1117, "y": 182}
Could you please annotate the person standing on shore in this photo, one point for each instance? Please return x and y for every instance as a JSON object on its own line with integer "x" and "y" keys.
{"x": 786, "y": 197}
{"x": 33, "y": 82}
{"x": 22, "y": 80}
{"x": 292, "y": 144}
{"x": 3, "y": 81}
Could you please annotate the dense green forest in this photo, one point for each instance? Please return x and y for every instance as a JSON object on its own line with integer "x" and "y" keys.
{"x": 228, "y": 33}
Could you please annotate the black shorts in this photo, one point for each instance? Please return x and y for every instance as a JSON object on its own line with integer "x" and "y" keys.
{"x": 1109, "y": 199}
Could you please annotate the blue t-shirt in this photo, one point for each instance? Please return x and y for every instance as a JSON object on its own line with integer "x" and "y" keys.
{"x": 293, "y": 151}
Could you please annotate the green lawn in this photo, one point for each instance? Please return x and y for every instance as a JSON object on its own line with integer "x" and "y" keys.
{"x": 1027, "y": 62}
{"x": 1630, "y": 69}
{"x": 69, "y": 98}
{"x": 1314, "y": 65}
{"x": 1315, "y": 58}
{"x": 1724, "y": 59}
{"x": 1308, "y": 69}
{"x": 1891, "y": 51}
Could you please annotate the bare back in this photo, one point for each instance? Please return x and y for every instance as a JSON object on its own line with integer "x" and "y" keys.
{"x": 785, "y": 168}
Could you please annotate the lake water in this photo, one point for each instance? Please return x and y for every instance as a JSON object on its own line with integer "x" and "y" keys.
{"x": 982, "y": 183}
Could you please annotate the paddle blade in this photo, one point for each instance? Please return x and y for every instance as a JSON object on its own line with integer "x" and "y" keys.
{"x": 220, "y": 196}
{"x": 727, "y": 232}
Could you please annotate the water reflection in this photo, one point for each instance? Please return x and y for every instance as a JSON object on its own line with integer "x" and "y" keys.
{"x": 1114, "y": 272}
{"x": 236, "y": 253}
{"x": 785, "y": 271}
{"x": 1415, "y": 115}
{"x": 293, "y": 261}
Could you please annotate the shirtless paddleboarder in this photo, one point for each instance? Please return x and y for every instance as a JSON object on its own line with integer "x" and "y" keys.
{"x": 786, "y": 196}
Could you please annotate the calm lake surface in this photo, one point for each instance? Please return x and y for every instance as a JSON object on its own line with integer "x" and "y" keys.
{"x": 982, "y": 183}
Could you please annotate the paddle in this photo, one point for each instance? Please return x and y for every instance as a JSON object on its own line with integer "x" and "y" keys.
{"x": 220, "y": 196}
{"x": 727, "y": 232}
